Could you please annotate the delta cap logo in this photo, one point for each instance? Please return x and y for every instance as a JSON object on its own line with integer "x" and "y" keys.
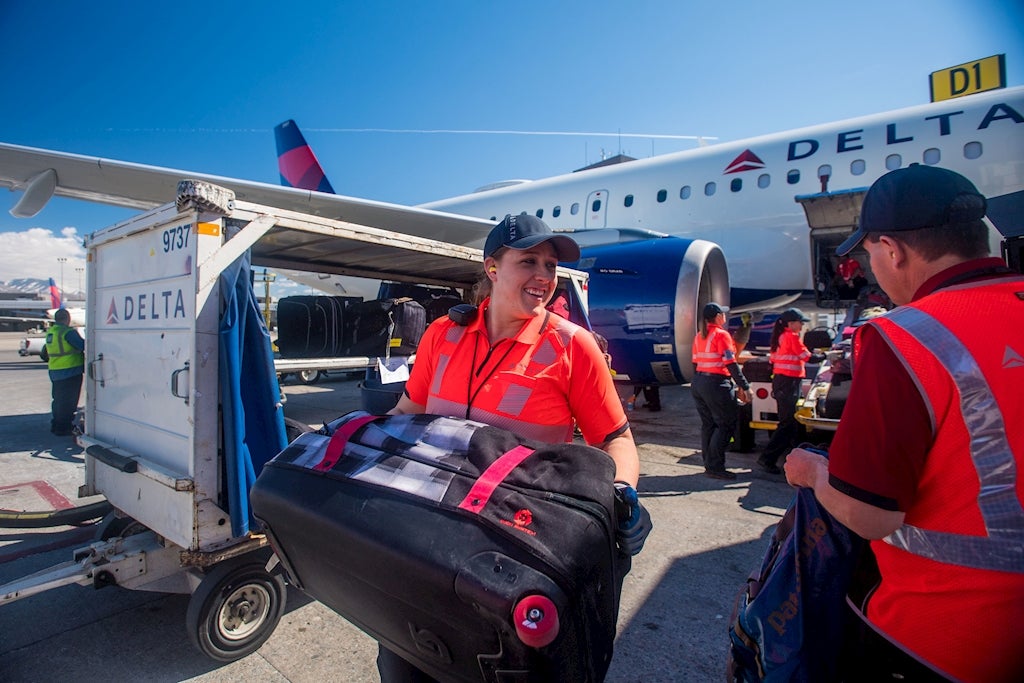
{"x": 747, "y": 161}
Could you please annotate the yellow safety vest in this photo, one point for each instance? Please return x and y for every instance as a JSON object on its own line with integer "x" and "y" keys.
{"x": 63, "y": 356}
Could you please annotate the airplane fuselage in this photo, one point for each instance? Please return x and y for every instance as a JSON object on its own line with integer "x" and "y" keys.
{"x": 740, "y": 195}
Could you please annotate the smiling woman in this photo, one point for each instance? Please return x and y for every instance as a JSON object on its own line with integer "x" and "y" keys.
{"x": 517, "y": 365}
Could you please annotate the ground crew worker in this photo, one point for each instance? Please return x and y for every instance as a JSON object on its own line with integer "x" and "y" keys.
{"x": 66, "y": 362}
{"x": 929, "y": 455}
{"x": 518, "y": 366}
{"x": 788, "y": 356}
{"x": 717, "y": 383}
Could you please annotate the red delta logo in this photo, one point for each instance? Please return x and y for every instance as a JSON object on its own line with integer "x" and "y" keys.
{"x": 520, "y": 521}
{"x": 747, "y": 161}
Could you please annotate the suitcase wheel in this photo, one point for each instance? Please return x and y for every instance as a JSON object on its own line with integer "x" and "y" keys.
{"x": 536, "y": 620}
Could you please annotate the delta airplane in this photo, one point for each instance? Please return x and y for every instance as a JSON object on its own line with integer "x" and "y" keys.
{"x": 661, "y": 236}
{"x": 77, "y": 313}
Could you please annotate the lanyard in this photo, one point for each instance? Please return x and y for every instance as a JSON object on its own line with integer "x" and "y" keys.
{"x": 477, "y": 371}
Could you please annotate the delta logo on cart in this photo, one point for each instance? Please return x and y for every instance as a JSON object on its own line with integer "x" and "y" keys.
{"x": 146, "y": 307}
{"x": 520, "y": 522}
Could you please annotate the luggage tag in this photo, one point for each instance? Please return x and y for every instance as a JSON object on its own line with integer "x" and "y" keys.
{"x": 393, "y": 370}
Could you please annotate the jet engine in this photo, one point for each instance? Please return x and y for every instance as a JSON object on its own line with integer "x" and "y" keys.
{"x": 645, "y": 298}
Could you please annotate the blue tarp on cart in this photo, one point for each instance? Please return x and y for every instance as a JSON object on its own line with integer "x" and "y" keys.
{"x": 252, "y": 414}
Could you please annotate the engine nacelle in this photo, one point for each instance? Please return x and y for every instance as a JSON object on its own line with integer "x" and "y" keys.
{"x": 645, "y": 299}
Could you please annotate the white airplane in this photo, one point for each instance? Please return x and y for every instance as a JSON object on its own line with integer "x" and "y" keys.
{"x": 655, "y": 259}
{"x": 740, "y": 194}
{"x": 46, "y": 308}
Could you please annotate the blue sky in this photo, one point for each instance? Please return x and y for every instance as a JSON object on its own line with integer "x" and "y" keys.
{"x": 200, "y": 86}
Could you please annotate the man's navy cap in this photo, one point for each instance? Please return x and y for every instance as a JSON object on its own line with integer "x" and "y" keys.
{"x": 792, "y": 315}
{"x": 523, "y": 232}
{"x": 913, "y": 198}
{"x": 712, "y": 310}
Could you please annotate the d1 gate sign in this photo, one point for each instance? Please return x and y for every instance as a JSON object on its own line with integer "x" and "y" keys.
{"x": 966, "y": 79}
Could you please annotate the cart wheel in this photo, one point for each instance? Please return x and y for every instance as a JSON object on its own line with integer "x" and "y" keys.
{"x": 308, "y": 376}
{"x": 235, "y": 609}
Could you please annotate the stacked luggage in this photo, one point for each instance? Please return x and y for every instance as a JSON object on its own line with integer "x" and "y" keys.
{"x": 312, "y": 326}
{"x": 338, "y": 326}
{"x": 470, "y": 552}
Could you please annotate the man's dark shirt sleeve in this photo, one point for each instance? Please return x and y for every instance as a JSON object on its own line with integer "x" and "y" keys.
{"x": 885, "y": 433}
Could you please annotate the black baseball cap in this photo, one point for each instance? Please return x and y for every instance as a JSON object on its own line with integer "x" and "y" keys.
{"x": 913, "y": 198}
{"x": 791, "y": 315}
{"x": 523, "y": 232}
{"x": 712, "y": 310}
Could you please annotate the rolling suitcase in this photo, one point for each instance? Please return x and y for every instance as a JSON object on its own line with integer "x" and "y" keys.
{"x": 384, "y": 326}
{"x": 311, "y": 326}
{"x": 472, "y": 553}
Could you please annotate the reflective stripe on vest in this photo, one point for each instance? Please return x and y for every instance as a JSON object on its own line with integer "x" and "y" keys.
{"x": 1002, "y": 549}
{"x": 61, "y": 357}
{"x": 786, "y": 363}
{"x": 512, "y": 401}
{"x": 707, "y": 360}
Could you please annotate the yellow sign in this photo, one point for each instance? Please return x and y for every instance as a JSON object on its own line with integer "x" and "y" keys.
{"x": 966, "y": 79}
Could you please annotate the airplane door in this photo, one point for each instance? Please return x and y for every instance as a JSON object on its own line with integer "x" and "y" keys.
{"x": 597, "y": 209}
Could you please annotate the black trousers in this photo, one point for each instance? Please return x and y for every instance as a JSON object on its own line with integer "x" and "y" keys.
{"x": 786, "y": 392}
{"x": 65, "y": 393}
{"x": 716, "y": 404}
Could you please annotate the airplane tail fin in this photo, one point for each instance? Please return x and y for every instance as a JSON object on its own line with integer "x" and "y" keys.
{"x": 55, "y": 298}
{"x": 296, "y": 162}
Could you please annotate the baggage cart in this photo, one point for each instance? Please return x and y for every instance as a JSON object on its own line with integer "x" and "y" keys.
{"x": 162, "y": 441}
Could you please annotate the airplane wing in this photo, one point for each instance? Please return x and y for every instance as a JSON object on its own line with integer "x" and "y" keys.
{"x": 42, "y": 174}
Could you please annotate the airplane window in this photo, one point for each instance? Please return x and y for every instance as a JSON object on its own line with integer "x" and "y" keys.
{"x": 825, "y": 171}
{"x": 575, "y": 208}
{"x": 893, "y": 161}
{"x": 932, "y": 156}
{"x": 793, "y": 177}
{"x": 662, "y": 195}
{"x": 540, "y": 213}
{"x": 764, "y": 180}
{"x": 857, "y": 167}
{"x": 556, "y": 212}
{"x": 684, "y": 192}
{"x": 628, "y": 201}
{"x": 709, "y": 189}
{"x": 596, "y": 206}
{"x": 736, "y": 185}
{"x": 972, "y": 150}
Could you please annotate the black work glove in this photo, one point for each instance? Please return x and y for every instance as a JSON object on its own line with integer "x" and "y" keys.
{"x": 634, "y": 520}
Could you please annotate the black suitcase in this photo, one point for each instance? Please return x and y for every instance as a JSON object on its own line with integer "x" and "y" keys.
{"x": 384, "y": 326}
{"x": 472, "y": 553}
{"x": 311, "y": 326}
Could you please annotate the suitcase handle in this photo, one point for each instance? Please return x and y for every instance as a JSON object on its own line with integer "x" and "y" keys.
{"x": 496, "y": 473}
{"x": 332, "y": 454}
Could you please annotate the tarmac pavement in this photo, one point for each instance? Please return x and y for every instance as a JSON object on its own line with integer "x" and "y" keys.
{"x": 708, "y": 535}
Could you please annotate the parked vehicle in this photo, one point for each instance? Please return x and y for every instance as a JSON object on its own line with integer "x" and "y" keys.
{"x": 31, "y": 346}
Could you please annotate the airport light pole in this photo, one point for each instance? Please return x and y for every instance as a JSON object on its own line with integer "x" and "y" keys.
{"x": 79, "y": 271}
{"x": 62, "y": 260}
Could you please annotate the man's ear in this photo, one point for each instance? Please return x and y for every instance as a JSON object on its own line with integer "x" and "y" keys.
{"x": 895, "y": 251}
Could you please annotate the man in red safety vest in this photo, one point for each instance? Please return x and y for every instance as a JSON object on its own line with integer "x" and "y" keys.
{"x": 927, "y": 460}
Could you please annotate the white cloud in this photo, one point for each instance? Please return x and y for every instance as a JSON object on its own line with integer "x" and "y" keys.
{"x": 34, "y": 253}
